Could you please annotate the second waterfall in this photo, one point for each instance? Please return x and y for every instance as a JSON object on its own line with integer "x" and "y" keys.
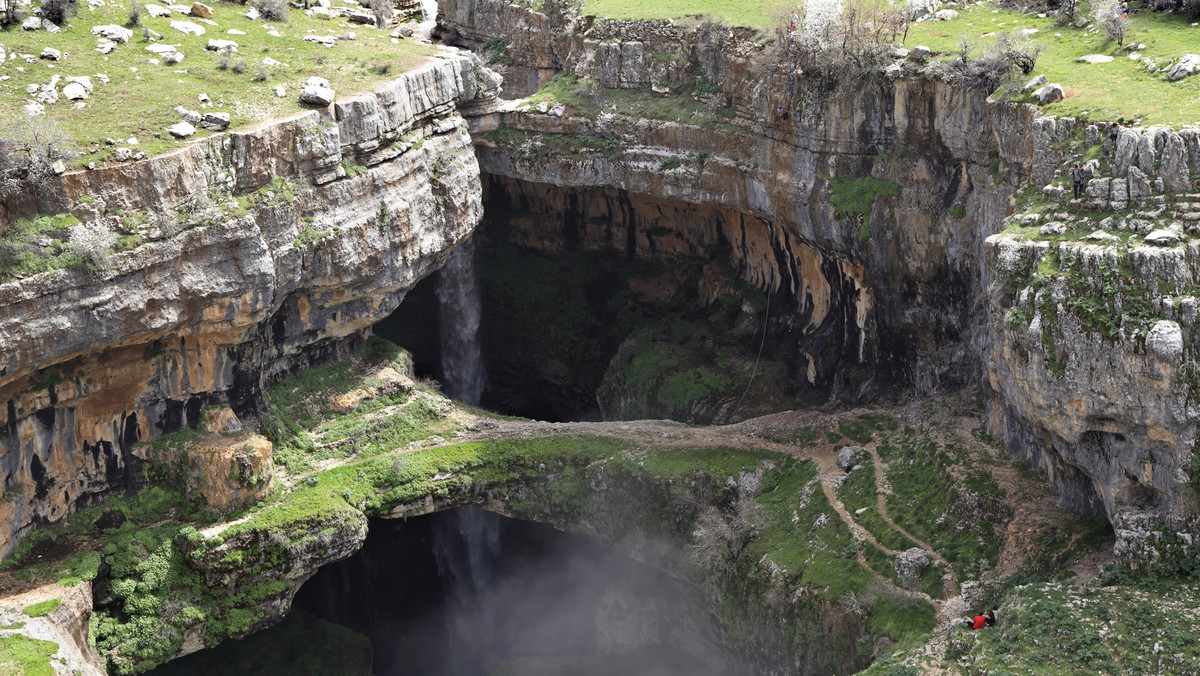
{"x": 459, "y": 310}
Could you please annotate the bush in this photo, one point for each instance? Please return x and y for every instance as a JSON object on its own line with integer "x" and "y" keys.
{"x": 272, "y": 10}
{"x": 58, "y": 11}
{"x": 135, "y": 14}
{"x": 240, "y": 66}
{"x": 12, "y": 14}
{"x": 92, "y": 243}
{"x": 998, "y": 65}
{"x": 223, "y": 62}
{"x": 260, "y": 74}
{"x": 29, "y": 147}
{"x": 839, "y": 44}
{"x": 1107, "y": 15}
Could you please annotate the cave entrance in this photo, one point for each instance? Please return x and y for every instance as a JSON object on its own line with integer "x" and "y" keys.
{"x": 603, "y": 304}
{"x": 466, "y": 592}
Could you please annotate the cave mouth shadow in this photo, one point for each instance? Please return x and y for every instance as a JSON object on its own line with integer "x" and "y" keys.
{"x": 468, "y": 592}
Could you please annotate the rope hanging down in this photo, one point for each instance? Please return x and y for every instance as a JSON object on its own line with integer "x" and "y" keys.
{"x": 754, "y": 371}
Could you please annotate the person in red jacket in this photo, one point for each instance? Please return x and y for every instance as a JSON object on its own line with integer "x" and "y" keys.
{"x": 980, "y": 621}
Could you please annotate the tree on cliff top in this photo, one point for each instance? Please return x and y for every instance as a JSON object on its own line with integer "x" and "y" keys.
{"x": 29, "y": 149}
{"x": 838, "y": 42}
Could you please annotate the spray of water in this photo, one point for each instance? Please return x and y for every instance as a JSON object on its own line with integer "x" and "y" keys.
{"x": 466, "y": 547}
{"x": 458, "y": 309}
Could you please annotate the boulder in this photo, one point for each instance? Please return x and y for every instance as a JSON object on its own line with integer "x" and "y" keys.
{"x": 945, "y": 15}
{"x": 910, "y": 564}
{"x": 199, "y": 9}
{"x": 222, "y": 46}
{"x": 31, "y": 24}
{"x": 215, "y": 121}
{"x": 252, "y": 14}
{"x": 1163, "y": 238}
{"x": 1035, "y": 83}
{"x": 33, "y": 109}
{"x": 188, "y": 27}
{"x": 113, "y": 33}
{"x": 1165, "y": 341}
{"x": 1053, "y": 228}
{"x": 1100, "y": 236}
{"x": 157, "y": 11}
{"x": 1190, "y": 63}
{"x": 849, "y": 457}
{"x": 1094, "y": 58}
{"x": 82, "y": 80}
{"x": 47, "y": 95}
{"x": 362, "y": 18}
{"x": 280, "y": 91}
{"x": 51, "y": 54}
{"x": 317, "y": 91}
{"x": 1049, "y": 94}
{"x": 920, "y": 54}
{"x": 75, "y": 92}
{"x": 919, "y": 8}
{"x": 181, "y": 130}
{"x": 123, "y": 154}
{"x": 326, "y": 40}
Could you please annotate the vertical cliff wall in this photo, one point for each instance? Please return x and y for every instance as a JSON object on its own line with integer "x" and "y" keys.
{"x": 264, "y": 250}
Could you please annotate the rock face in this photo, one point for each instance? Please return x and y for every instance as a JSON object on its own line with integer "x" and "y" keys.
{"x": 910, "y": 564}
{"x": 95, "y": 363}
{"x": 1090, "y": 401}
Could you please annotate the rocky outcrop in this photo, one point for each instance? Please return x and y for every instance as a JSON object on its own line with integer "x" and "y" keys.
{"x": 266, "y": 248}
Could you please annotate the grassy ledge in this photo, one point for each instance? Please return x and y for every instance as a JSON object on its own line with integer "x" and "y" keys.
{"x": 140, "y": 97}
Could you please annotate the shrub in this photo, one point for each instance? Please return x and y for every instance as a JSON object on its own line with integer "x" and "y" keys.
{"x": 92, "y": 243}
{"x": 29, "y": 147}
{"x": 135, "y": 14}
{"x": 260, "y": 74}
{"x": 382, "y": 67}
{"x": 1107, "y": 15}
{"x": 240, "y": 66}
{"x": 838, "y": 43}
{"x": 59, "y": 11}
{"x": 560, "y": 12}
{"x": 223, "y": 62}
{"x": 12, "y": 14}
{"x": 272, "y": 10}
{"x": 998, "y": 65}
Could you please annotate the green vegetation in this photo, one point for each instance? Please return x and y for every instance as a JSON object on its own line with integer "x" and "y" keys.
{"x": 853, "y": 199}
{"x": 44, "y": 608}
{"x": 753, "y": 13}
{"x": 691, "y": 101}
{"x": 139, "y": 100}
{"x": 1105, "y": 91}
{"x": 24, "y": 656}
{"x": 38, "y": 244}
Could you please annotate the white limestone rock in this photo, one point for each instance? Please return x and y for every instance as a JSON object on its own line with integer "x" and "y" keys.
{"x": 215, "y": 121}
{"x": 1049, "y": 94}
{"x": 113, "y": 33}
{"x": 75, "y": 92}
{"x": 1189, "y": 64}
{"x": 181, "y": 130}
{"x": 317, "y": 91}
{"x": 222, "y": 46}
{"x": 51, "y": 54}
{"x": 1165, "y": 341}
{"x": 188, "y": 27}
{"x": 1035, "y": 83}
{"x": 1094, "y": 58}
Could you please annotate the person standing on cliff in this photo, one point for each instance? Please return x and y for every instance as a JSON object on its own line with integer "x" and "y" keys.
{"x": 1077, "y": 180}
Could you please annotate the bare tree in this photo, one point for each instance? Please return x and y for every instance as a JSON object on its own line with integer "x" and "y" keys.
{"x": 29, "y": 148}
{"x": 383, "y": 10}
{"x": 1111, "y": 18}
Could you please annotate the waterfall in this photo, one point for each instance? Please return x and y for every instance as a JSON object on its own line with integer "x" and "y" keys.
{"x": 458, "y": 314}
{"x": 429, "y": 11}
{"x": 466, "y": 547}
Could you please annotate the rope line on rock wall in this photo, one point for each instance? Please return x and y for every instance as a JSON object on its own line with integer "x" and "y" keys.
{"x": 754, "y": 371}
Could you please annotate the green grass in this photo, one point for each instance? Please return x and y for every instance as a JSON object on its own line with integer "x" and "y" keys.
{"x": 24, "y": 656}
{"x": 853, "y": 199}
{"x": 1104, "y": 91}
{"x": 140, "y": 104}
{"x": 753, "y": 13}
{"x": 44, "y": 608}
{"x": 38, "y": 244}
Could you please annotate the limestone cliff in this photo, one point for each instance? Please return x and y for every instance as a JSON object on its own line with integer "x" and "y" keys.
{"x": 264, "y": 249}
{"x": 1088, "y": 371}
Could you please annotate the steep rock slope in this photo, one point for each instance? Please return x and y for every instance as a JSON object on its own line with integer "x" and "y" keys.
{"x": 267, "y": 249}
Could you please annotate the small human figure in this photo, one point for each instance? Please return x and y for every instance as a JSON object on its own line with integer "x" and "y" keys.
{"x": 1077, "y": 181}
{"x": 989, "y": 620}
{"x": 979, "y": 622}
{"x": 779, "y": 112}
{"x": 1113, "y": 133}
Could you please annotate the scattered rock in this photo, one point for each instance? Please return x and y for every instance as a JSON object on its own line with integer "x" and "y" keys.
{"x": 317, "y": 91}
{"x": 59, "y": 166}
{"x": 31, "y": 89}
{"x": 222, "y": 46}
{"x": 234, "y": 31}
{"x": 1165, "y": 341}
{"x": 1026, "y": 32}
{"x": 1189, "y": 64}
{"x": 48, "y": 95}
{"x": 252, "y": 14}
{"x": 215, "y": 121}
{"x": 1082, "y": 22}
{"x": 945, "y": 15}
{"x": 181, "y": 130}
{"x": 188, "y": 27}
{"x": 1163, "y": 238}
{"x": 51, "y": 53}
{"x": 202, "y": 97}
{"x": 920, "y": 54}
{"x": 201, "y": 10}
{"x": 83, "y": 80}
{"x": 1053, "y": 228}
{"x": 31, "y": 24}
{"x": 1049, "y": 94}
{"x": 910, "y": 564}
{"x": 1094, "y": 58}
{"x": 280, "y": 91}
{"x": 268, "y": 61}
{"x": 849, "y": 457}
{"x": 326, "y": 40}
{"x": 1100, "y": 236}
{"x": 113, "y": 33}
{"x": 123, "y": 154}
{"x": 1035, "y": 83}
{"x": 33, "y": 109}
{"x": 75, "y": 92}
{"x": 157, "y": 11}
{"x": 402, "y": 32}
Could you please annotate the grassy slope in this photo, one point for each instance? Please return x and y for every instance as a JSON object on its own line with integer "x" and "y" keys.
{"x": 1104, "y": 91}
{"x": 754, "y": 13}
{"x": 141, "y": 103}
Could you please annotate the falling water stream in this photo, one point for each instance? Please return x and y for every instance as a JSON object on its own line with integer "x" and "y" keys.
{"x": 459, "y": 310}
